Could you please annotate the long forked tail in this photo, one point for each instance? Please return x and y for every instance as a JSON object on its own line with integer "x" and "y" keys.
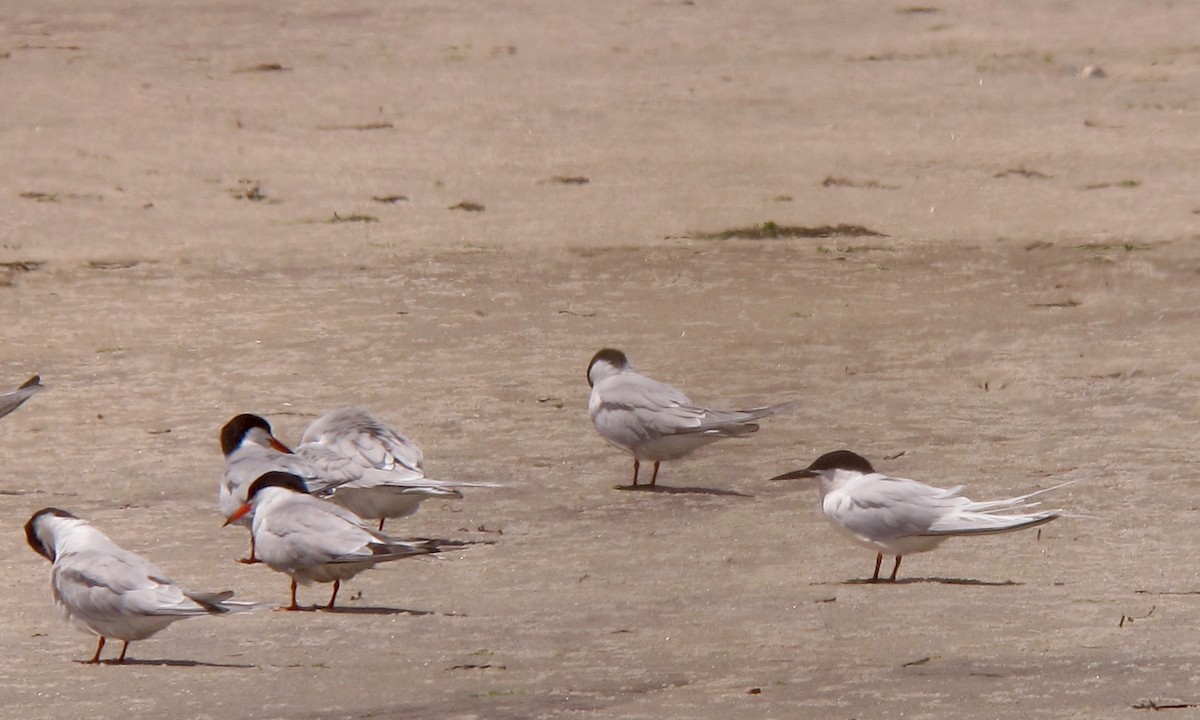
{"x": 967, "y": 522}
{"x": 995, "y": 516}
{"x": 400, "y": 481}
{"x": 1016, "y": 503}
{"x": 732, "y": 423}
{"x": 762, "y": 412}
{"x": 391, "y": 548}
{"x": 219, "y": 603}
{"x": 428, "y": 482}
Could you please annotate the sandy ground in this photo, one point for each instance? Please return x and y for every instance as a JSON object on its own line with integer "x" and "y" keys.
{"x": 190, "y": 229}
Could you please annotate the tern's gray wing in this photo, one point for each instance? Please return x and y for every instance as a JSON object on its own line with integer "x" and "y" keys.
{"x": 344, "y": 443}
{"x": 879, "y": 507}
{"x": 633, "y": 404}
{"x": 303, "y": 531}
{"x": 97, "y": 584}
{"x": 402, "y": 479}
{"x": 640, "y": 408}
{"x": 12, "y": 400}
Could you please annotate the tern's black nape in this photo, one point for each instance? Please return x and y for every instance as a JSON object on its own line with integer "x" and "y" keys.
{"x": 35, "y": 540}
{"x": 275, "y": 478}
{"x": 235, "y": 431}
{"x": 616, "y": 358}
{"x": 841, "y": 460}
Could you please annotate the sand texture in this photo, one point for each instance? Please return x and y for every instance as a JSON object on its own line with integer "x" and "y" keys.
{"x": 962, "y": 235}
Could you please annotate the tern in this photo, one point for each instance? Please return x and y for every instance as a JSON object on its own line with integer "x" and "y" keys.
{"x": 13, "y": 399}
{"x": 314, "y": 540}
{"x": 653, "y": 421}
{"x": 347, "y": 455}
{"x": 369, "y": 468}
{"x": 109, "y": 591}
{"x": 897, "y": 516}
{"x": 251, "y": 450}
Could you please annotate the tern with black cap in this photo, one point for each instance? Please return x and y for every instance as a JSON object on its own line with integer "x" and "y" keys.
{"x": 897, "y": 516}
{"x": 653, "y": 421}
{"x": 313, "y": 540}
{"x": 347, "y": 455}
{"x": 108, "y": 591}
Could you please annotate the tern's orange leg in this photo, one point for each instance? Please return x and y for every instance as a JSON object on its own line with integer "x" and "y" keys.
{"x": 636, "y": 464}
{"x": 896, "y": 568}
{"x": 293, "y": 606}
{"x": 252, "y": 559}
{"x": 655, "y": 475}
{"x": 878, "y": 562}
{"x": 124, "y": 648}
{"x": 337, "y": 584}
{"x": 99, "y": 646}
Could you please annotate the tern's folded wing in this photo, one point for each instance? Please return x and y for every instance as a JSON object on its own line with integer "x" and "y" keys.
{"x": 10, "y": 401}
{"x": 308, "y": 531}
{"x": 123, "y": 584}
{"x": 879, "y": 507}
{"x": 404, "y": 480}
{"x": 638, "y": 408}
{"x": 384, "y": 550}
{"x": 353, "y": 437}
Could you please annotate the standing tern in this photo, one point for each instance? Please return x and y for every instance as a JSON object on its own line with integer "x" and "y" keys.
{"x": 313, "y": 540}
{"x": 251, "y": 450}
{"x": 111, "y": 592}
{"x": 13, "y": 399}
{"x": 653, "y": 421}
{"x": 897, "y": 516}
{"x": 369, "y": 468}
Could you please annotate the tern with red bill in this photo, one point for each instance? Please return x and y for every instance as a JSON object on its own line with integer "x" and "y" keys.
{"x": 653, "y": 421}
{"x": 897, "y": 516}
{"x": 314, "y": 540}
{"x": 108, "y": 591}
{"x": 251, "y": 450}
{"x": 348, "y": 455}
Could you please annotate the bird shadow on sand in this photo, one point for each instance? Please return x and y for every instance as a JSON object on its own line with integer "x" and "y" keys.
{"x": 167, "y": 663}
{"x": 668, "y": 490}
{"x": 464, "y": 543}
{"x": 934, "y": 580}
{"x": 375, "y": 610}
